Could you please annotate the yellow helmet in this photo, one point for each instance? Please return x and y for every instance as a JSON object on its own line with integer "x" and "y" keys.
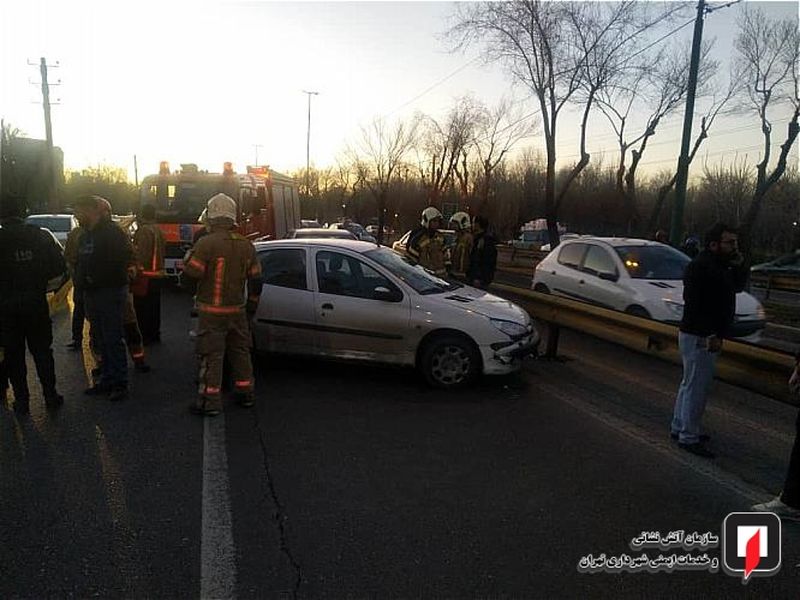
{"x": 221, "y": 207}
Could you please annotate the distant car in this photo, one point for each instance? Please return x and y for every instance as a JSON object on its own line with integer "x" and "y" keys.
{"x": 788, "y": 264}
{"x": 640, "y": 277}
{"x": 561, "y": 238}
{"x": 356, "y": 229}
{"x": 352, "y": 300}
{"x": 449, "y": 240}
{"x": 321, "y": 233}
{"x": 55, "y": 284}
{"x": 59, "y": 224}
{"x": 309, "y": 224}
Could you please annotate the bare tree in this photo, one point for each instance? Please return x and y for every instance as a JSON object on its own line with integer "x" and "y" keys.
{"x": 768, "y": 60}
{"x": 564, "y": 52}
{"x": 377, "y": 157}
{"x": 657, "y": 86}
{"x": 497, "y": 131}
{"x": 440, "y": 145}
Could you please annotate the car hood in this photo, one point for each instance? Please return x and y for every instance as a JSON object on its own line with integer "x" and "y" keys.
{"x": 672, "y": 289}
{"x": 473, "y": 300}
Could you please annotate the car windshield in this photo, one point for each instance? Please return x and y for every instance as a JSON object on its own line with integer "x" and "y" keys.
{"x": 51, "y": 223}
{"x": 419, "y": 278}
{"x": 653, "y": 262}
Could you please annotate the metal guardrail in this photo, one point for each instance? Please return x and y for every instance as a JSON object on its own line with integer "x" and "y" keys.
{"x": 778, "y": 283}
{"x": 762, "y": 370}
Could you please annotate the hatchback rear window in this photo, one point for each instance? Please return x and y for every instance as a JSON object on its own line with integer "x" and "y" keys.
{"x": 571, "y": 255}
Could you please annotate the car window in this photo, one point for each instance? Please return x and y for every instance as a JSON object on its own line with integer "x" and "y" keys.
{"x": 60, "y": 224}
{"x": 345, "y": 275}
{"x": 598, "y": 260}
{"x": 570, "y": 255}
{"x": 653, "y": 262}
{"x": 284, "y": 267}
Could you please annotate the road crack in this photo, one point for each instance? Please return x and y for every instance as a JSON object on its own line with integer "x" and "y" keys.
{"x": 280, "y": 515}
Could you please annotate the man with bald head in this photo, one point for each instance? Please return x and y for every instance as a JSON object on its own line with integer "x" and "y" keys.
{"x": 104, "y": 256}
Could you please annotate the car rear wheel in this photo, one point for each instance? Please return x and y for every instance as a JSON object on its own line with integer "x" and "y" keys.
{"x": 540, "y": 287}
{"x": 450, "y": 362}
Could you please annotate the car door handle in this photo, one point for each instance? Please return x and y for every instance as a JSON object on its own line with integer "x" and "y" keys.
{"x": 327, "y": 306}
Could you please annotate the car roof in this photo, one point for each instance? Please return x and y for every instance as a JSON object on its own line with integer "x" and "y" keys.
{"x": 613, "y": 241}
{"x": 340, "y": 243}
{"x": 322, "y": 231}
{"x": 50, "y": 215}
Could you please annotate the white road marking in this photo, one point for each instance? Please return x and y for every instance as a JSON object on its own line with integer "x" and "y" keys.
{"x": 700, "y": 466}
{"x": 217, "y": 552}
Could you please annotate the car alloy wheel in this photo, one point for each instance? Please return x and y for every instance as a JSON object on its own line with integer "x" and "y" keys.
{"x": 449, "y": 361}
{"x": 450, "y": 365}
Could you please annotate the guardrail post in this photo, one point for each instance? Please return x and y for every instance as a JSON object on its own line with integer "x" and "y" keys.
{"x": 553, "y": 332}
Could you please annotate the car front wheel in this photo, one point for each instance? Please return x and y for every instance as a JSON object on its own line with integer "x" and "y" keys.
{"x": 450, "y": 362}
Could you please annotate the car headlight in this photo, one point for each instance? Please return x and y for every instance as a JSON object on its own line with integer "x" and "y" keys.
{"x": 676, "y": 308}
{"x": 510, "y": 328}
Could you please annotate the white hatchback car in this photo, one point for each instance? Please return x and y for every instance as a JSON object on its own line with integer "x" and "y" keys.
{"x": 349, "y": 299}
{"x": 640, "y": 277}
{"x": 59, "y": 225}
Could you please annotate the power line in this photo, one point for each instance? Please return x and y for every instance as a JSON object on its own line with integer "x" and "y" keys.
{"x": 433, "y": 86}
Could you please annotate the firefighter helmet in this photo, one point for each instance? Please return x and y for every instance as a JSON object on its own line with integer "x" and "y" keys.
{"x": 460, "y": 221}
{"x": 221, "y": 207}
{"x": 430, "y": 214}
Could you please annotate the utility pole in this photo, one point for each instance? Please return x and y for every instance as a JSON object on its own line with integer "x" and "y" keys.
{"x": 257, "y": 146}
{"x": 682, "y": 178}
{"x": 308, "y": 141}
{"x": 135, "y": 171}
{"x": 49, "y": 168}
{"x": 52, "y": 201}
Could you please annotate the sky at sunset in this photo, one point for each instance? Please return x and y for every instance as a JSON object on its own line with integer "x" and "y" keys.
{"x": 205, "y": 82}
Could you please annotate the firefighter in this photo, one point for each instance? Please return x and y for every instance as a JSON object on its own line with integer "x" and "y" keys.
{"x": 29, "y": 258}
{"x": 460, "y": 222}
{"x": 224, "y": 262}
{"x": 426, "y": 244}
{"x": 149, "y": 245}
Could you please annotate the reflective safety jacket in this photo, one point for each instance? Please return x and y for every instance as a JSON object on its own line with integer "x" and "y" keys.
{"x": 461, "y": 253}
{"x": 224, "y": 262}
{"x": 426, "y": 248}
{"x": 150, "y": 245}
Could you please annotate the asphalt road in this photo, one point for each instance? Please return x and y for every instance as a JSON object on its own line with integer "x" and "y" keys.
{"x": 355, "y": 481}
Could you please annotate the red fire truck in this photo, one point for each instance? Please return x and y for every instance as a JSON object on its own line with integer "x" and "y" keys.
{"x": 267, "y": 202}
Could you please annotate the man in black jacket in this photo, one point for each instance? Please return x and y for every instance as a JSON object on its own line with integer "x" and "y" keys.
{"x": 104, "y": 258}
{"x": 710, "y": 285}
{"x": 29, "y": 258}
{"x": 483, "y": 258}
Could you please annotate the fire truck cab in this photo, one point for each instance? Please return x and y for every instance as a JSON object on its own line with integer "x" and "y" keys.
{"x": 268, "y": 204}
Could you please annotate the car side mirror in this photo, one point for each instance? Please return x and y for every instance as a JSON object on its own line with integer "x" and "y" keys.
{"x": 608, "y": 276}
{"x": 384, "y": 294}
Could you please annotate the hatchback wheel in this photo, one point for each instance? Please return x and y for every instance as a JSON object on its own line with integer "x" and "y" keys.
{"x": 450, "y": 362}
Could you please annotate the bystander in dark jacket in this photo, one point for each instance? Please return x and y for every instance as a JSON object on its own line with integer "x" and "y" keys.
{"x": 29, "y": 258}
{"x": 105, "y": 256}
{"x": 483, "y": 258}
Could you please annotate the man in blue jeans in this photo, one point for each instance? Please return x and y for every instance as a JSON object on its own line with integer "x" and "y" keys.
{"x": 104, "y": 257}
{"x": 710, "y": 285}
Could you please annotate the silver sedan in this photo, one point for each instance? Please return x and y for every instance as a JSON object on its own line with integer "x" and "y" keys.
{"x": 352, "y": 300}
